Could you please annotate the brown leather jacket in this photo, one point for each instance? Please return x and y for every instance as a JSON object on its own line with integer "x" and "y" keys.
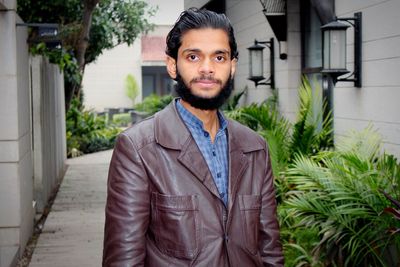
{"x": 163, "y": 208}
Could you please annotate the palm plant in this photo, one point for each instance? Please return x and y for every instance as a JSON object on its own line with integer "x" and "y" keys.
{"x": 338, "y": 194}
{"x": 267, "y": 121}
{"x": 153, "y": 103}
{"x": 309, "y": 134}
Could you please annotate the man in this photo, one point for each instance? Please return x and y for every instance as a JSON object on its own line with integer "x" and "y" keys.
{"x": 187, "y": 187}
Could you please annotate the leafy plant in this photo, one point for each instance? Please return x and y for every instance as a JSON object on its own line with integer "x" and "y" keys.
{"x": 337, "y": 193}
{"x": 153, "y": 103}
{"x": 131, "y": 87}
{"x": 122, "y": 119}
{"x": 309, "y": 134}
{"x": 87, "y": 132}
{"x": 233, "y": 101}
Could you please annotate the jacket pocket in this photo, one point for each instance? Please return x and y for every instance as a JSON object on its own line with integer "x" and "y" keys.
{"x": 176, "y": 225}
{"x": 250, "y": 208}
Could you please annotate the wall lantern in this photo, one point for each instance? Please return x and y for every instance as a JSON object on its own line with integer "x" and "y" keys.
{"x": 334, "y": 49}
{"x": 256, "y": 66}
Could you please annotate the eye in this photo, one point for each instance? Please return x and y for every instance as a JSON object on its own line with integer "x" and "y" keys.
{"x": 193, "y": 58}
{"x": 220, "y": 58}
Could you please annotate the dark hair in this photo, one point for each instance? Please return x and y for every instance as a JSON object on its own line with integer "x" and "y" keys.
{"x": 194, "y": 18}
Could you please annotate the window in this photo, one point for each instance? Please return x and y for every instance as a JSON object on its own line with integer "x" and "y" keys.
{"x": 312, "y": 53}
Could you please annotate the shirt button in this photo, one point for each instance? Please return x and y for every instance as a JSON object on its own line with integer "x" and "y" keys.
{"x": 226, "y": 237}
{"x": 219, "y": 175}
{"x": 222, "y": 195}
{"x": 214, "y": 154}
{"x": 206, "y": 134}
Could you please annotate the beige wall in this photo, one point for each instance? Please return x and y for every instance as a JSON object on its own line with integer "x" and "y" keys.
{"x": 16, "y": 183}
{"x": 250, "y": 23}
{"x": 48, "y": 120}
{"x": 377, "y": 102}
{"x": 196, "y": 3}
{"x": 104, "y": 80}
{"x": 17, "y": 200}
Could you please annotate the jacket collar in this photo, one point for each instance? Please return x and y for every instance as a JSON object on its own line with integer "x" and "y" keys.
{"x": 170, "y": 130}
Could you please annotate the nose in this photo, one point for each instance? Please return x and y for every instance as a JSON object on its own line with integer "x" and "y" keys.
{"x": 206, "y": 67}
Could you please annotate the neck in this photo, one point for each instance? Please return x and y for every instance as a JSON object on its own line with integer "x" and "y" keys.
{"x": 209, "y": 118}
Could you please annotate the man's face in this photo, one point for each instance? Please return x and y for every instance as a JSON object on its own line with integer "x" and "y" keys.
{"x": 204, "y": 65}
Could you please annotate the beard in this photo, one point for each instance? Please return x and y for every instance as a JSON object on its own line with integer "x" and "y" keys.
{"x": 204, "y": 103}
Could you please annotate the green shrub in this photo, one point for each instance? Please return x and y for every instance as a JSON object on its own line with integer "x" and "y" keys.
{"x": 339, "y": 195}
{"x": 131, "y": 87}
{"x": 122, "y": 119}
{"x": 87, "y": 132}
{"x": 153, "y": 103}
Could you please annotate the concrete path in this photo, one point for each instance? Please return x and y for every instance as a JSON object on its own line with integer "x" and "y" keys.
{"x": 73, "y": 232}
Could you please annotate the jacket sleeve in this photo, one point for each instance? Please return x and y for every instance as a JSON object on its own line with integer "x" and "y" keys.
{"x": 127, "y": 208}
{"x": 270, "y": 246}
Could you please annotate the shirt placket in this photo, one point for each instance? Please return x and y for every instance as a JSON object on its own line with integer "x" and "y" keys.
{"x": 219, "y": 167}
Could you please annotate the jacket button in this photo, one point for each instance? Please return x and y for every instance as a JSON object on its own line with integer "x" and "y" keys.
{"x": 226, "y": 237}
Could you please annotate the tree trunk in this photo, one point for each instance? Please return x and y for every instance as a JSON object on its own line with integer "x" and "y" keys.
{"x": 82, "y": 45}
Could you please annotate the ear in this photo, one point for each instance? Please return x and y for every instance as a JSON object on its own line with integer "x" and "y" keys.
{"x": 171, "y": 67}
{"x": 233, "y": 67}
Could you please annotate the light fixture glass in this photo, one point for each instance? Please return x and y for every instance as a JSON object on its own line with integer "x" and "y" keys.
{"x": 256, "y": 63}
{"x": 334, "y": 48}
{"x": 256, "y": 66}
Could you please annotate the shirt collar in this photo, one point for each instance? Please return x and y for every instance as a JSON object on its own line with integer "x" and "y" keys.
{"x": 192, "y": 121}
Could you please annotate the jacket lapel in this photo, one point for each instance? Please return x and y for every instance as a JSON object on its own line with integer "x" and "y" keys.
{"x": 193, "y": 160}
{"x": 238, "y": 163}
{"x": 171, "y": 132}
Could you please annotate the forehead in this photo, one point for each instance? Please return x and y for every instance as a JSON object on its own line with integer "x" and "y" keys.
{"x": 205, "y": 40}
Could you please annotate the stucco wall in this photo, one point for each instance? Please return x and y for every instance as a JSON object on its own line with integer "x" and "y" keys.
{"x": 377, "y": 102}
{"x": 16, "y": 183}
{"x": 250, "y": 23}
{"x": 17, "y": 200}
{"x": 104, "y": 80}
{"x": 195, "y": 3}
{"x": 48, "y": 119}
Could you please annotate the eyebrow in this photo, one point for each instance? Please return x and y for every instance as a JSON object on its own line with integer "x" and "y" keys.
{"x": 196, "y": 50}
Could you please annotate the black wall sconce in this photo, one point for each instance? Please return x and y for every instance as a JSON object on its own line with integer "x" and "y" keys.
{"x": 334, "y": 49}
{"x": 256, "y": 63}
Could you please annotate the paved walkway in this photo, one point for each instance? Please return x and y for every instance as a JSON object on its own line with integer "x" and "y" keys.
{"x": 73, "y": 232}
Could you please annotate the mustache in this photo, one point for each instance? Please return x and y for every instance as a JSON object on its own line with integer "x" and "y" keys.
{"x": 207, "y": 78}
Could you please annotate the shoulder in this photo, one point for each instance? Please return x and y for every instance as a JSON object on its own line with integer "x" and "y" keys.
{"x": 248, "y": 139}
{"x": 141, "y": 133}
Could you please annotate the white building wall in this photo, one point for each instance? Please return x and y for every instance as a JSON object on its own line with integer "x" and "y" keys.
{"x": 48, "y": 119}
{"x": 197, "y": 3}
{"x": 104, "y": 80}
{"x": 377, "y": 102}
{"x": 249, "y": 24}
{"x": 16, "y": 183}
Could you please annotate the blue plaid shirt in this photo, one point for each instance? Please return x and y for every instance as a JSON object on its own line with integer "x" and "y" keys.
{"x": 215, "y": 154}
